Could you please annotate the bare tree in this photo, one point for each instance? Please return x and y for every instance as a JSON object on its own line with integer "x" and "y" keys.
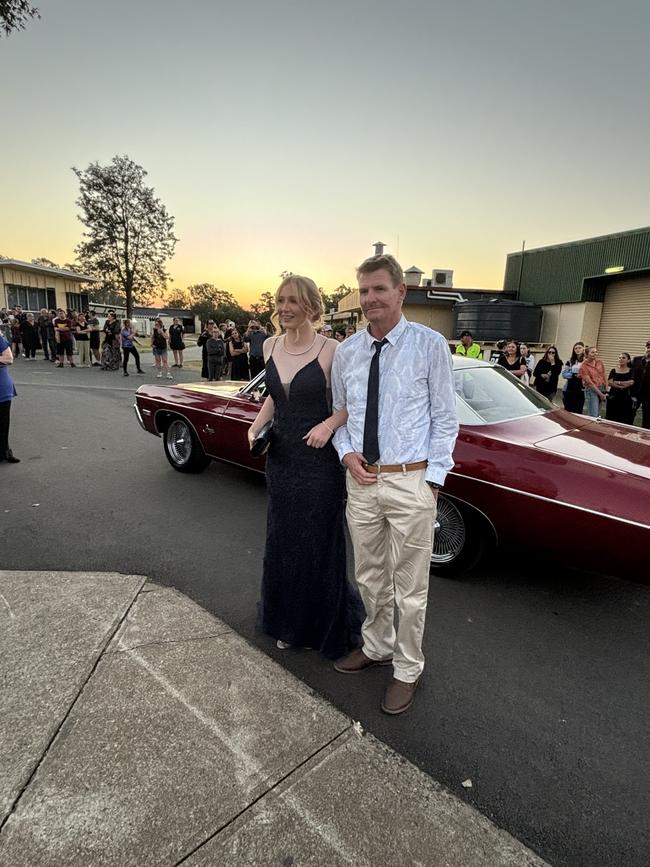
{"x": 129, "y": 235}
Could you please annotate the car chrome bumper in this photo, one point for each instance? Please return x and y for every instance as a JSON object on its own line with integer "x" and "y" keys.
{"x": 138, "y": 415}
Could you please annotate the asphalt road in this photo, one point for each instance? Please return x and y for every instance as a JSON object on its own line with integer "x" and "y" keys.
{"x": 537, "y": 682}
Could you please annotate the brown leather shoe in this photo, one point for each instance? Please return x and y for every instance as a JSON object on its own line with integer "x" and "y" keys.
{"x": 398, "y": 696}
{"x": 357, "y": 661}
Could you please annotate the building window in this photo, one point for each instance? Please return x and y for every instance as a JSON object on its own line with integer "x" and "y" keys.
{"x": 29, "y": 298}
{"x": 76, "y": 301}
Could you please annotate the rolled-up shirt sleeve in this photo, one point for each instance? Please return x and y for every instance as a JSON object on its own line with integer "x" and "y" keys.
{"x": 341, "y": 440}
{"x": 444, "y": 415}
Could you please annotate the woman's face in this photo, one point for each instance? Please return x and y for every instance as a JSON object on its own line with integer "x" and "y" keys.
{"x": 349, "y": 331}
{"x": 593, "y": 353}
{"x": 290, "y": 311}
{"x": 624, "y": 359}
{"x": 579, "y": 349}
{"x": 523, "y": 349}
{"x": 551, "y": 355}
{"x": 340, "y": 337}
{"x": 511, "y": 348}
{"x": 235, "y": 334}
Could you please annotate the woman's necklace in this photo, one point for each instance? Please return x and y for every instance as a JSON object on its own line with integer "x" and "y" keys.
{"x": 302, "y": 351}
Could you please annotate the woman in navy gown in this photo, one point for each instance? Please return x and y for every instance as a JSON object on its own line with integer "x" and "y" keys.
{"x": 306, "y": 599}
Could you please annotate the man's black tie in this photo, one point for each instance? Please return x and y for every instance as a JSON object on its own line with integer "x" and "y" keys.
{"x": 370, "y": 433}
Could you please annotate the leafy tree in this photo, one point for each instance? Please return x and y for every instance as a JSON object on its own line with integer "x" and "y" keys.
{"x": 47, "y": 263}
{"x": 14, "y": 15}
{"x": 265, "y": 305}
{"x": 129, "y": 233}
{"x": 177, "y": 298}
{"x": 332, "y": 299}
{"x": 106, "y": 293}
{"x": 208, "y": 302}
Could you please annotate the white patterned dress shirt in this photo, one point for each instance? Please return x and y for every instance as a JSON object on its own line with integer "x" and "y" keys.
{"x": 417, "y": 401}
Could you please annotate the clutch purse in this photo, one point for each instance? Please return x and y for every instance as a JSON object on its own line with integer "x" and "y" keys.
{"x": 262, "y": 441}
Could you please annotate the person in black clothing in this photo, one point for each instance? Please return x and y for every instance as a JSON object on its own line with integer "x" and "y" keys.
{"x": 239, "y": 355}
{"x": 573, "y": 395}
{"x": 176, "y": 344}
{"x": 203, "y": 338}
{"x": 306, "y": 599}
{"x": 29, "y": 336}
{"x": 513, "y": 361}
{"x": 641, "y": 387}
{"x": 619, "y": 405}
{"x": 547, "y": 373}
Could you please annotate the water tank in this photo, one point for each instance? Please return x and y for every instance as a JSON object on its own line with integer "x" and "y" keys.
{"x": 498, "y": 318}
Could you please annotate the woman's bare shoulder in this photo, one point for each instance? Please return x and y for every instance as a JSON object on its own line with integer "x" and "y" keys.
{"x": 268, "y": 346}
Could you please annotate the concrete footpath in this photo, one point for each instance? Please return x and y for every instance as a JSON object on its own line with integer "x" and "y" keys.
{"x": 137, "y": 729}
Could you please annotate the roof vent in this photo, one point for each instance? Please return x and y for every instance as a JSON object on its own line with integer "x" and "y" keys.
{"x": 442, "y": 279}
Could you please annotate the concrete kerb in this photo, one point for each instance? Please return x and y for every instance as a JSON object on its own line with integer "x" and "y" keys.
{"x": 185, "y": 744}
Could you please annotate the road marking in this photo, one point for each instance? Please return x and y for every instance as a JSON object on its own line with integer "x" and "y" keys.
{"x": 12, "y": 616}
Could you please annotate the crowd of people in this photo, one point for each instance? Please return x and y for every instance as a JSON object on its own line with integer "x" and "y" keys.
{"x": 236, "y": 352}
{"x": 585, "y": 385}
{"x": 62, "y": 335}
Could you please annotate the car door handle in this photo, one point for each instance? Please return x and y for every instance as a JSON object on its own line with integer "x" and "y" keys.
{"x": 208, "y": 429}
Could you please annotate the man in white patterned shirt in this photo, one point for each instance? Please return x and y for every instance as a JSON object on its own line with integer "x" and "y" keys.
{"x": 396, "y": 381}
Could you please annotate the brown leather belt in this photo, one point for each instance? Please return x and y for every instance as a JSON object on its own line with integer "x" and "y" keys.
{"x": 378, "y": 469}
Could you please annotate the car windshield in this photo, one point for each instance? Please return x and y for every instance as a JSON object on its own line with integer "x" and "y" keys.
{"x": 255, "y": 387}
{"x": 487, "y": 395}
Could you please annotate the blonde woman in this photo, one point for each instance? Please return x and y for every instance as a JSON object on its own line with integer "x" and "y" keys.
{"x": 306, "y": 600}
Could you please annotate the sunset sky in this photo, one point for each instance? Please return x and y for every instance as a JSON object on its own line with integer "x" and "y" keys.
{"x": 291, "y": 134}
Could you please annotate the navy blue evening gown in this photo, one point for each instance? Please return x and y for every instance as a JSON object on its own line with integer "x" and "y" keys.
{"x": 306, "y": 599}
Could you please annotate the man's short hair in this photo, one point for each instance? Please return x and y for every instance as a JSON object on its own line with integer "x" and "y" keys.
{"x": 466, "y": 334}
{"x": 387, "y": 262}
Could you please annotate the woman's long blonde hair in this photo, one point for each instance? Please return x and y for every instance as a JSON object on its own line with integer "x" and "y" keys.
{"x": 307, "y": 293}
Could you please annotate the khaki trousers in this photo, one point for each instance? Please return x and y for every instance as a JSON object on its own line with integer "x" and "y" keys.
{"x": 391, "y": 525}
{"x": 83, "y": 348}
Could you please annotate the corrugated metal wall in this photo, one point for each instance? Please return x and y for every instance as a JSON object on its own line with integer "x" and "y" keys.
{"x": 554, "y": 275}
{"x": 625, "y": 320}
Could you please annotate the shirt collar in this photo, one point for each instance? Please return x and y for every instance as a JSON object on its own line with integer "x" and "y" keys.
{"x": 393, "y": 336}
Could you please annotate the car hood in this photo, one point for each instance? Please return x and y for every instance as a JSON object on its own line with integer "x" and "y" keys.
{"x": 619, "y": 447}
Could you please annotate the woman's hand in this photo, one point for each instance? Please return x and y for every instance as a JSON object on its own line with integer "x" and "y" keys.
{"x": 318, "y": 436}
{"x": 251, "y": 436}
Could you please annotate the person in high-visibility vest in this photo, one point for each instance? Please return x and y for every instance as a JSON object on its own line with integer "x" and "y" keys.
{"x": 467, "y": 346}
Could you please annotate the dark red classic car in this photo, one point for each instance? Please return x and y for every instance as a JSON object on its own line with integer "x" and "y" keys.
{"x": 525, "y": 471}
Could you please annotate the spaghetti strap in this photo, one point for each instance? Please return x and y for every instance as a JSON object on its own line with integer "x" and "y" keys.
{"x": 275, "y": 341}
{"x": 321, "y": 348}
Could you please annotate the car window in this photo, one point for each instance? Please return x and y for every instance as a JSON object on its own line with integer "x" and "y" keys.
{"x": 255, "y": 386}
{"x": 490, "y": 394}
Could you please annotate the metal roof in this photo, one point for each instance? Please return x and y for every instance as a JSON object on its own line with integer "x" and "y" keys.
{"x": 563, "y": 273}
{"x": 44, "y": 269}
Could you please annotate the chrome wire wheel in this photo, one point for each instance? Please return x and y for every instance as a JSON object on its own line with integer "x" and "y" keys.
{"x": 450, "y": 533}
{"x": 179, "y": 442}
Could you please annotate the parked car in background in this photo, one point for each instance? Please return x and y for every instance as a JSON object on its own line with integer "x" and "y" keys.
{"x": 525, "y": 471}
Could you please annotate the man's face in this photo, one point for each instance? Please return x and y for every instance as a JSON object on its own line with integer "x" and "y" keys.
{"x": 380, "y": 301}
{"x": 647, "y": 349}
{"x": 466, "y": 340}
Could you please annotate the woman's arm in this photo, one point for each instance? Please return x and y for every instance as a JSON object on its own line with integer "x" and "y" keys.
{"x": 7, "y": 356}
{"x": 264, "y": 415}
